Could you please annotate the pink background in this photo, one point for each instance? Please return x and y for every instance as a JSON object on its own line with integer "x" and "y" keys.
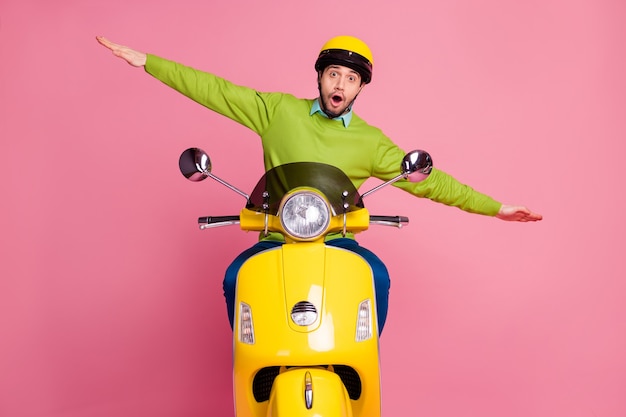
{"x": 110, "y": 298}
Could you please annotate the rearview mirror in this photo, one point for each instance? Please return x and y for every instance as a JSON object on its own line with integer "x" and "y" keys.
{"x": 416, "y": 165}
{"x": 195, "y": 164}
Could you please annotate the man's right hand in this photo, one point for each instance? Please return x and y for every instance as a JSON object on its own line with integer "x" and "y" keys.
{"x": 134, "y": 58}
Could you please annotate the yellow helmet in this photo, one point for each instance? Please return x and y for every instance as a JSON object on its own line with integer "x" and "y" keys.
{"x": 349, "y": 52}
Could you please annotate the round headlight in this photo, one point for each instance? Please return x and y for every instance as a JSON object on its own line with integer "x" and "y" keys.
{"x": 305, "y": 215}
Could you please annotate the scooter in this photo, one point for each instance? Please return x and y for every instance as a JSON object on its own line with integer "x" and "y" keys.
{"x": 305, "y": 334}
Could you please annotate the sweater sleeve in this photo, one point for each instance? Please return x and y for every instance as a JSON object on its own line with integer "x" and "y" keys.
{"x": 439, "y": 186}
{"x": 241, "y": 104}
{"x": 443, "y": 188}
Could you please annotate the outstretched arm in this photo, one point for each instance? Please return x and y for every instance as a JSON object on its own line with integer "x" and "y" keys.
{"x": 517, "y": 214}
{"x": 134, "y": 58}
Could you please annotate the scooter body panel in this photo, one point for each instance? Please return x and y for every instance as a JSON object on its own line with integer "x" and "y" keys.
{"x": 336, "y": 281}
{"x": 328, "y": 398}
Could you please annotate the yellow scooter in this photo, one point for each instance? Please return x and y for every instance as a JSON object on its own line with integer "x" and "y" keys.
{"x": 305, "y": 331}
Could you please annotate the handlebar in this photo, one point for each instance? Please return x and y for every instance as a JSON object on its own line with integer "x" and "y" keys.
{"x": 217, "y": 221}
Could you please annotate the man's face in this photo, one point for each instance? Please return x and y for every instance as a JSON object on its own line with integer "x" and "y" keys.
{"x": 339, "y": 85}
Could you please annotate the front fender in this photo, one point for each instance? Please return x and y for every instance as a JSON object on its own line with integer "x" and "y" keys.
{"x": 328, "y": 395}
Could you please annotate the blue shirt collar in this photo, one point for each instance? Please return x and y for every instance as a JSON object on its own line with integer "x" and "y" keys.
{"x": 345, "y": 118}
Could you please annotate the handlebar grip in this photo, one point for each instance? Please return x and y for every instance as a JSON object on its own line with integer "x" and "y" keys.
{"x": 214, "y": 221}
{"x": 217, "y": 219}
{"x": 397, "y": 221}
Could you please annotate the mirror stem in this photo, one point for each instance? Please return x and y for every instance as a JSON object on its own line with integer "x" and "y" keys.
{"x": 378, "y": 187}
{"x": 235, "y": 189}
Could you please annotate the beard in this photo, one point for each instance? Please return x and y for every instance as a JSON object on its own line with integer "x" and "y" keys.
{"x": 335, "y": 105}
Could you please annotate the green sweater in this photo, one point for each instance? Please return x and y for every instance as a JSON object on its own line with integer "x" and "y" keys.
{"x": 290, "y": 134}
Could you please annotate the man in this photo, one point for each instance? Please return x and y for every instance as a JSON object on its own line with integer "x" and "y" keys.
{"x": 322, "y": 130}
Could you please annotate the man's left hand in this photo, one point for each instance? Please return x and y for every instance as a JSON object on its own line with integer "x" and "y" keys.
{"x": 517, "y": 214}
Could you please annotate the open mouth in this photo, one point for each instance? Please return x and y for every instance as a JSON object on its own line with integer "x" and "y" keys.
{"x": 336, "y": 99}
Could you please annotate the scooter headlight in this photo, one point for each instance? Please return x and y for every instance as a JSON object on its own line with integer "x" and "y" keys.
{"x": 305, "y": 215}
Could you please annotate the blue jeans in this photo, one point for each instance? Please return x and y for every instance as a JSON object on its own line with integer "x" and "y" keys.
{"x": 382, "y": 282}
